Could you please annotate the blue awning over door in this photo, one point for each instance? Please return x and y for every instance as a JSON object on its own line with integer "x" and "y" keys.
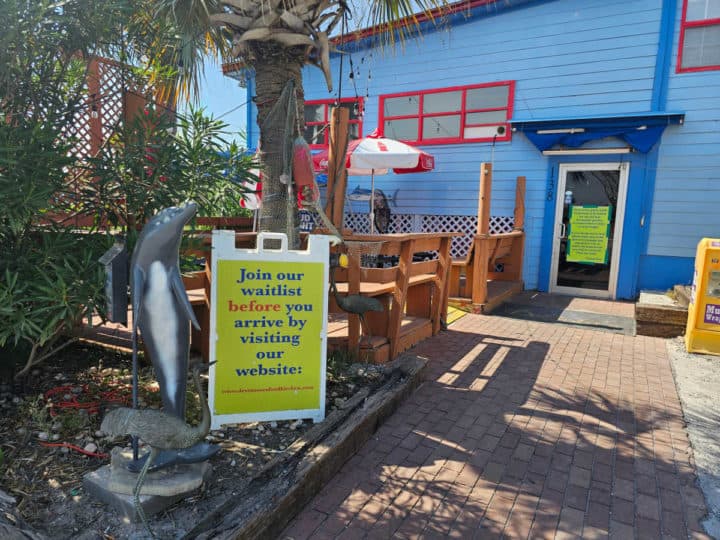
{"x": 640, "y": 131}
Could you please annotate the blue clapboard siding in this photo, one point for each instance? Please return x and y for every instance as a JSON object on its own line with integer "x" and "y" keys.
{"x": 686, "y": 202}
{"x": 568, "y": 58}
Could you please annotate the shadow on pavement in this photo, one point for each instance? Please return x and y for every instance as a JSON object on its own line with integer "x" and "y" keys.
{"x": 517, "y": 437}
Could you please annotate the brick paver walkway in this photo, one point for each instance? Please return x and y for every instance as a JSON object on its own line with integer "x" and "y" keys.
{"x": 527, "y": 430}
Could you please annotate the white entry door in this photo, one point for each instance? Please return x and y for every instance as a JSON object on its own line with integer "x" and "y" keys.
{"x": 589, "y": 215}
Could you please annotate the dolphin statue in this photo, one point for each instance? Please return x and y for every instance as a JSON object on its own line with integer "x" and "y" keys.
{"x": 163, "y": 314}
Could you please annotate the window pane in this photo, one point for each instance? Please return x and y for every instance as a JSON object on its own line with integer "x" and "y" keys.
{"x": 315, "y": 134}
{"x": 441, "y": 127}
{"x": 405, "y": 130}
{"x": 490, "y": 117}
{"x": 487, "y": 98}
{"x": 442, "y": 102}
{"x": 354, "y": 109}
{"x": 701, "y": 47}
{"x": 698, "y": 10}
{"x": 314, "y": 113}
{"x": 401, "y": 106}
{"x": 354, "y": 131}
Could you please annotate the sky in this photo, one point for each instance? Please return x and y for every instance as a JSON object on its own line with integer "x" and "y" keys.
{"x": 223, "y": 98}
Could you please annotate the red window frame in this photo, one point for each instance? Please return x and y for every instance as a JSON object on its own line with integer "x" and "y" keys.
{"x": 326, "y": 118}
{"x": 462, "y": 113}
{"x": 685, "y": 24}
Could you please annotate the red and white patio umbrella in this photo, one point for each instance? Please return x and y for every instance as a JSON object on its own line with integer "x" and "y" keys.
{"x": 373, "y": 155}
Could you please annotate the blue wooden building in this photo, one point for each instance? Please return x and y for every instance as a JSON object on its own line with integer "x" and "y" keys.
{"x": 611, "y": 105}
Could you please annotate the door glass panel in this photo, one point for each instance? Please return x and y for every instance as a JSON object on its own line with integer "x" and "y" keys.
{"x": 588, "y": 226}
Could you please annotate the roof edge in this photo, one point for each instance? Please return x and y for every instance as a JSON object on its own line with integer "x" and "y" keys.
{"x": 650, "y": 118}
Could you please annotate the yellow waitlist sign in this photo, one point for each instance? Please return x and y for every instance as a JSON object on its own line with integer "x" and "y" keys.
{"x": 268, "y": 331}
{"x": 588, "y": 233}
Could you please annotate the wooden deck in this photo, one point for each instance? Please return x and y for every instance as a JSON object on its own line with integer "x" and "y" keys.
{"x": 497, "y": 293}
{"x": 376, "y": 349}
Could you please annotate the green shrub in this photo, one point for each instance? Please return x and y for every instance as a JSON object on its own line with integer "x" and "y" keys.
{"x": 50, "y": 277}
{"x": 152, "y": 163}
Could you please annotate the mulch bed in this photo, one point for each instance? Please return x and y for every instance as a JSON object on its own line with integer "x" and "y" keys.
{"x": 50, "y": 438}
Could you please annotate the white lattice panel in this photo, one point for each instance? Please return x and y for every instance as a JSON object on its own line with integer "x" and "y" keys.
{"x": 406, "y": 223}
{"x": 359, "y": 223}
{"x": 501, "y": 224}
{"x": 401, "y": 223}
{"x": 464, "y": 224}
{"x": 111, "y": 96}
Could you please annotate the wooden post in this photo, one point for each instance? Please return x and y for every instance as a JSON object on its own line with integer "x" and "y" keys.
{"x": 397, "y": 306}
{"x": 482, "y": 253}
{"x": 440, "y": 294}
{"x": 519, "y": 221}
{"x": 480, "y": 269}
{"x": 95, "y": 101}
{"x": 354, "y": 330}
{"x": 483, "y": 226}
{"x": 337, "y": 174}
{"x": 518, "y": 247}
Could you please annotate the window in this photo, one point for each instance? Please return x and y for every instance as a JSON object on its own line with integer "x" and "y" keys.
{"x": 449, "y": 115}
{"x": 317, "y": 120}
{"x": 699, "y": 36}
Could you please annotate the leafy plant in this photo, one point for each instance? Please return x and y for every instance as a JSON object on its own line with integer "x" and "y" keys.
{"x": 49, "y": 274}
{"x": 145, "y": 167}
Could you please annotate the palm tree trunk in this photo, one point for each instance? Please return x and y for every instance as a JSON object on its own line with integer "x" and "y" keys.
{"x": 274, "y": 67}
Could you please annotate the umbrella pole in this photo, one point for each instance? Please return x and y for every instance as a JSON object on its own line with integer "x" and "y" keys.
{"x": 372, "y": 201}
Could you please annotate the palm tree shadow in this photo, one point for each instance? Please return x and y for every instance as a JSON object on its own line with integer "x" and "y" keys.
{"x": 492, "y": 445}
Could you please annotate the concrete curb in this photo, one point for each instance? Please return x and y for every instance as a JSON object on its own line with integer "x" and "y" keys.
{"x": 269, "y": 501}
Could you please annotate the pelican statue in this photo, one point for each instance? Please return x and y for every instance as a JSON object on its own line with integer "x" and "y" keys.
{"x": 356, "y": 304}
{"x": 160, "y": 430}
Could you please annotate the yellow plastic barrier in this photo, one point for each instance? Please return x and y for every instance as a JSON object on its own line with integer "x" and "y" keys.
{"x": 703, "y": 326}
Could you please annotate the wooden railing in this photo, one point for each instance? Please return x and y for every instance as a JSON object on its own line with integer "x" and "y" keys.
{"x": 469, "y": 276}
{"x": 412, "y": 291}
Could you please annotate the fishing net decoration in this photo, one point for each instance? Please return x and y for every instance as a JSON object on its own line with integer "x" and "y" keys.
{"x": 366, "y": 251}
{"x": 279, "y": 210}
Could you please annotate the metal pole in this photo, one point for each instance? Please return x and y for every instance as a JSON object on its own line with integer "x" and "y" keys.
{"x": 372, "y": 201}
{"x": 134, "y": 383}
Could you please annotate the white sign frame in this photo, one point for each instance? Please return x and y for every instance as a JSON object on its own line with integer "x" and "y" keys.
{"x": 223, "y": 248}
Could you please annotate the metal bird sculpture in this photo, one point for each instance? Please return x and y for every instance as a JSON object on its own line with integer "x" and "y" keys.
{"x": 160, "y": 430}
{"x": 356, "y": 304}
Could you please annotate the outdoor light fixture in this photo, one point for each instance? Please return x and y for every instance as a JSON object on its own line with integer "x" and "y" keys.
{"x": 587, "y": 151}
{"x": 557, "y": 131}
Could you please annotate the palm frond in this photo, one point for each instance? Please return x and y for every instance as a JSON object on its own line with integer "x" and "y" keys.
{"x": 398, "y": 19}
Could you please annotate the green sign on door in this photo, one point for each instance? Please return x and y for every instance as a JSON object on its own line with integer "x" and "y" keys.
{"x": 588, "y": 234}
